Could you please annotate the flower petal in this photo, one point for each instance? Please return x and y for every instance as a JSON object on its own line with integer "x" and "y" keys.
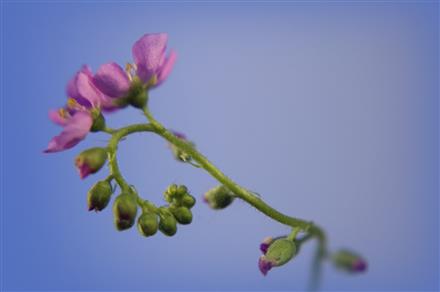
{"x": 166, "y": 68}
{"x": 75, "y": 130}
{"x": 112, "y": 80}
{"x": 56, "y": 117}
{"x": 149, "y": 54}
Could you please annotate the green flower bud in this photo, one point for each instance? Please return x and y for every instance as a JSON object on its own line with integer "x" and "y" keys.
{"x": 279, "y": 252}
{"x": 90, "y": 161}
{"x": 99, "y": 195}
{"x": 181, "y": 191}
{"x": 182, "y": 214}
{"x": 124, "y": 210}
{"x": 167, "y": 223}
{"x": 147, "y": 224}
{"x": 349, "y": 261}
{"x": 219, "y": 197}
{"x": 171, "y": 190}
{"x": 98, "y": 121}
{"x": 188, "y": 201}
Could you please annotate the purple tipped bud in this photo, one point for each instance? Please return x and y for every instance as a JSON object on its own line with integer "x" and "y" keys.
{"x": 349, "y": 261}
{"x": 90, "y": 161}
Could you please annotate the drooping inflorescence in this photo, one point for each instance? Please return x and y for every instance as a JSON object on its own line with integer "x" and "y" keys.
{"x": 91, "y": 96}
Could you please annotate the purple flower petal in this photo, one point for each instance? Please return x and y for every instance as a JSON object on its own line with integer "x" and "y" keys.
{"x": 166, "y": 68}
{"x": 84, "y": 170}
{"x": 75, "y": 130}
{"x": 264, "y": 265}
{"x": 112, "y": 80}
{"x": 57, "y": 117}
{"x": 82, "y": 89}
{"x": 149, "y": 54}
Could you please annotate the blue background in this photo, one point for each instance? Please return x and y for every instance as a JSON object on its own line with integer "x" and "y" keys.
{"x": 329, "y": 110}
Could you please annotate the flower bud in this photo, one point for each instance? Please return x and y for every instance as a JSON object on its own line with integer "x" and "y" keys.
{"x": 124, "y": 210}
{"x": 147, "y": 224}
{"x": 99, "y": 195}
{"x": 167, "y": 223}
{"x": 182, "y": 214}
{"x": 188, "y": 201}
{"x": 219, "y": 197}
{"x": 181, "y": 191}
{"x": 90, "y": 161}
{"x": 279, "y": 253}
{"x": 349, "y": 261}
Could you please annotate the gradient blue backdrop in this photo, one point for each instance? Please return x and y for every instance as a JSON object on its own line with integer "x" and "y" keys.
{"x": 329, "y": 110}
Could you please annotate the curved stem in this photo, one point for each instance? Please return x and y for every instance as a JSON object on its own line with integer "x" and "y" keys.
{"x": 112, "y": 147}
{"x": 239, "y": 191}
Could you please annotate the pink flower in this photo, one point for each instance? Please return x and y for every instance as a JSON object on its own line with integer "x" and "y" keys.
{"x": 112, "y": 80}
{"x": 76, "y": 127}
{"x": 149, "y": 57}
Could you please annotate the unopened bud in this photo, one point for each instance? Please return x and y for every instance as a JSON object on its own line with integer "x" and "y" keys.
{"x": 188, "y": 201}
{"x": 167, "y": 223}
{"x": 219, "y": 197}
{"x": 349, "y": 261}
{"x": 90, "y": 161}
{"x": 99, "y": 195}
{"x": 147, "y": 224}
{"x": 279, "y": 253}
{"x": 124, "y": 210}
{"x": 182, "y": 214}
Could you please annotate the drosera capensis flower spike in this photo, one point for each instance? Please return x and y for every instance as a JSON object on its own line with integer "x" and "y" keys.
{"x": 90, "y": 99}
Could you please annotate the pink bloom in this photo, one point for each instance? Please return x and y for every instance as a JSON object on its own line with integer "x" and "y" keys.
{"x": 76, "y": 128}
{"x": 112, "y": 80}
{"x": 149, "y": 56}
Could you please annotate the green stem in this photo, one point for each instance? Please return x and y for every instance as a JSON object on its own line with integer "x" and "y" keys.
{"x": 112, "y": 147}
{"x": 239, "y": 191}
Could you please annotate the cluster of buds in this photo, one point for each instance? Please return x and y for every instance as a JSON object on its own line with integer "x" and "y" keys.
{"x": 165, "y": 218}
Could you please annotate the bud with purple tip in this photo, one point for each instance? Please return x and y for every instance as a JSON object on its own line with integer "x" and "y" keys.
{"x": 349, "y": 261}
{"x": 99, "y": 195}
{"x": 90, "y": 161}
{"x": 278, "y": 253}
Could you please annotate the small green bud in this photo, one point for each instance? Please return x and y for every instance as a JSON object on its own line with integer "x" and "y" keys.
{"x": 98, "y": 121}
{"x": 171, "y": 190}
{"x": 279, "y": 252}
{"x": 219, "y": 197}
{"x": 181, "y": 191}
{"x": 147, "y": 224}
{"x": 188, "y": 201}
{"x": 182, "y": 214}
{"x": 124, "y": 210}
{"x": 167, "y": 223}
{"x": 99, "y": 195}
{"x": 90, "y": 161}
{"x": 349, "y": 261}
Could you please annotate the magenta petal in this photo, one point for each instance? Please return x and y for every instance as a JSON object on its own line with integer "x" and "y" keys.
{"x": 75, "y": 130}
{"x": 84, "y": 170}
{"x": 149, "y": 54}
{"x": 112, "y": 80}
{"x": 264, "y": 265}
{"x": 81, "y": 88}
{"x": 166, "y": 68}
{"x": 55, "y": 116}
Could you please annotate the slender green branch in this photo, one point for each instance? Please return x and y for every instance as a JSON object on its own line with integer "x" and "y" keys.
{"x": 112, "y": 147}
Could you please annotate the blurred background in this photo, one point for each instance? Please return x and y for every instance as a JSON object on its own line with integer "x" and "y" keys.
{"x": 328, "y": 110}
